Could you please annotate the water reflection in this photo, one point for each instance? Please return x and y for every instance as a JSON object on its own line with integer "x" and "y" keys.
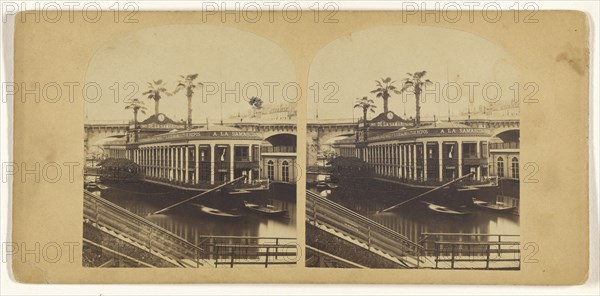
{"x": 188, "y": 222}
{"x": 415, "y": 218}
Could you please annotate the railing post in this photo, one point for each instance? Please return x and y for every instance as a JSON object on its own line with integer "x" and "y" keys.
{"x": 452, "y": 260}
{"x": 487, "y": 262}
{"x": 232, "y": 253}
{"x": 267, "y": 258}
{"x": 276, "y": 248}
{"x": 499, "y": 246}
{"x": 215, "y": 253}
{"x": 437, "y": 253}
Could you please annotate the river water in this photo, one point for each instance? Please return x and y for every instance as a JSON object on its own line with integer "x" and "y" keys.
{"x": 415, "y": 218}
{"x": 189, "y": 223}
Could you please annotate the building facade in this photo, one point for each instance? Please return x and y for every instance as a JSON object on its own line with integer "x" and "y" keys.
{"x": 206, "y": 156}
{"x": 210, "y": 156}
{"x": 438, "y": 152}
{"x": 279, "y": 164}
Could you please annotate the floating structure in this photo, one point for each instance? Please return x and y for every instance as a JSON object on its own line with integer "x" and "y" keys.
{"x": 201, "y": 157}
{"x": 440, "y": 151}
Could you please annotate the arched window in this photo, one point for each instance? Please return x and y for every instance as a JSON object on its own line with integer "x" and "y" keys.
{"x": 270, "y": 170}
{"x": 500, "y": 167}
{"x": 515, "y": 167}
{"x": 285, "y": 171}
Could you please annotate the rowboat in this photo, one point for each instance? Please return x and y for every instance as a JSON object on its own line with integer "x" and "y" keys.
{"x": 91, "y": 186}
{"x": 443, "y": 209}
{"x": 497, "y": 207}
{"x": 332, "y": 185}
{"x": 216, "y": 212}
{"x": 266, "y": 209}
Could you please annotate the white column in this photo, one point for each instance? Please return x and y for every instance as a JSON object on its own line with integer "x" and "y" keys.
{"x": 197, "y": 170}
{"x": 149, "y": 152}
{"x": 250, "y": 160}
{"x": 176, "y": 163}
{"x": 173, "y": 164}
{"x": 460, "y": 158}
{"x": 388, "y": 163}
{"x": 441, "y": 166}
{"x": 380, "y": 159}
{"x": 478, "y": 154}
{"x": 415, "y": 172}
{"x": 212, "y": 163}
{"x": 231, "y": 162}
{"x": 151, "y": 160}
{"x": 425, "y": 161}
{"x": 170, "y": 155}
{"x": 187, "y": 164}
{"x": 160, "y": 161}
{"x": 164, "y": 162}
{"x": 403, "y": 160}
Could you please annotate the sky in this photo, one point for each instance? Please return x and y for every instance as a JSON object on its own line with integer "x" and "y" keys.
{"x": 221, "y": 56}
{"x": 345, "y": 69}
{"x": 355, "y": 61}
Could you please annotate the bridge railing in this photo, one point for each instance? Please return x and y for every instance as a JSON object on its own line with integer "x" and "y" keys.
{"x": 472, "y": 251}
{"x": 249, "y": 250}
{"x": 376, "y": 236}
{"x": 103, "y": 213}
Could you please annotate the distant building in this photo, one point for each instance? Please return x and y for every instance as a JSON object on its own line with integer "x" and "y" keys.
{"x": 283, "y": 112}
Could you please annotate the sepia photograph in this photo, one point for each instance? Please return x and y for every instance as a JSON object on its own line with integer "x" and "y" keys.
{"x": 199, "y": 170}
{"x": 365, "y": 144}
{"x": 421, "y": 169}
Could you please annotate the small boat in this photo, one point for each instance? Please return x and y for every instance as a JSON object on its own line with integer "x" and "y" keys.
{"x": 91, "y": 186}
{"x": 443, "y": 209}
{"x": 103, "y": 187}
{"x": 266, "y": 209}
{"x": 332, "y": 185}
{"x": 217, "y": 212}
{"x": 497, "y": 207}
{"x": 322, "y": 181}
{"x": 325, "y": 193}
{"x": 240, "y": 191}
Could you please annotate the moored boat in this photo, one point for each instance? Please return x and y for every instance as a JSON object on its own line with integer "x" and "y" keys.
{"x": 92, "y": 186}
{"x": 497, "y": 207}
{"x": 443, "y": 209}
{"x": 216, "y": 212}
{"x": 264, "y": 209}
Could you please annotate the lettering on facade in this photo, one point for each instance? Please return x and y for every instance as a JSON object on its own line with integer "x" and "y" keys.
{"x": 432, "y": 132}
{"x": 204, "y": 135}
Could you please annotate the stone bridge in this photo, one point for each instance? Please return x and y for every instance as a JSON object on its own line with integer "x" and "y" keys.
{"x": 320, "y": 133}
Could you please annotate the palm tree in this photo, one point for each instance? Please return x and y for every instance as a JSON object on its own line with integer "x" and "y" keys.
{"x": 187, "y": 83}
{"x": 416, "y": 83}
{"x": 137, "y": 106}
{"x": 156, "y": 89}
{"x": 384, "y": 90}
{"x": 366, "y": 105}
